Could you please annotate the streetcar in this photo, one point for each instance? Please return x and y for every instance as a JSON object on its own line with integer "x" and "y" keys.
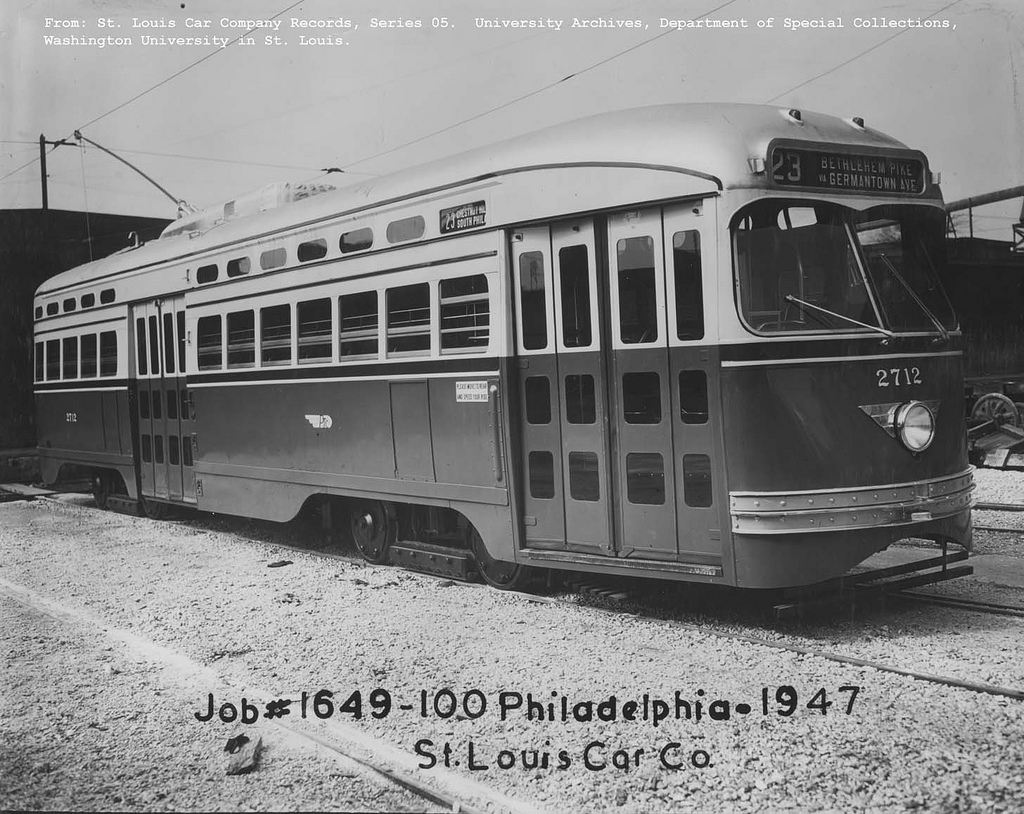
{"x": 689, "y": 342}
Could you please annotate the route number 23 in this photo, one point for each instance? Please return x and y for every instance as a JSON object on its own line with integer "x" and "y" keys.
{"x": 899, "y": 375}
{"x": 786, "y": 167}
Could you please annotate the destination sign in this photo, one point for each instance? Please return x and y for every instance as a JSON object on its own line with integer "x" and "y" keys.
{"x": 467, "y": 216}
{"x": 849, "y": 172}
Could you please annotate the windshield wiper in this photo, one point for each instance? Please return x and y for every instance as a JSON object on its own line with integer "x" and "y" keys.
{"x": 802, "y": 304}
{"x": 920, "y": 304}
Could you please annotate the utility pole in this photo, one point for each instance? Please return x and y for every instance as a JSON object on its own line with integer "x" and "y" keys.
{"x": 42, "y": 164}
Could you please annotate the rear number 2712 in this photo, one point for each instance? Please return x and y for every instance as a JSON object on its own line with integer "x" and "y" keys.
{"x": 899, "y": 375}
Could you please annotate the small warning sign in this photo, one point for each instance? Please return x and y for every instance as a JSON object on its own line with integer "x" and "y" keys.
{"x": 471, "y": 391}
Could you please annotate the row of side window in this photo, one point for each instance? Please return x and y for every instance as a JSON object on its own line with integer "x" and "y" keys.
{"x": 147, "y": 344}
{"x": 349, "y": 325}
{"x": 77, "y": 357}
{"x": 70, "y": 304}
{"x": 638, "y": 313}
{"x": 355, "y": 240}
{"x": 152, "y": 450}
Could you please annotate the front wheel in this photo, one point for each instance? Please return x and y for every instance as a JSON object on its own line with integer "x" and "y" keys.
{"x": 102, "y": 489}
{"x": 373, "y": 530}
{"x": 505, "y": 576}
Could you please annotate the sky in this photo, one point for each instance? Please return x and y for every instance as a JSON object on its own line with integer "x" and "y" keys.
{"x": 215, "y": 119}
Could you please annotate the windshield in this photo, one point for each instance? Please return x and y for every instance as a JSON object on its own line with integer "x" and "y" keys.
{"x": 827, "y": 268}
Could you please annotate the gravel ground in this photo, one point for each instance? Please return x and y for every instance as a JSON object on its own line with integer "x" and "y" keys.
{"x": 205, "y": 591}
{"x": 87, "y": 727}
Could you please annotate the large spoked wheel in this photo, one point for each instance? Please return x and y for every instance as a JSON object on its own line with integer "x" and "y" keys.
{"x": 154, "y": 510}
{"x": 102, "y": 489}
{"x": 996, "y": 407}
{"x": 373, "y": 530}
{"x": 505, "y": 576}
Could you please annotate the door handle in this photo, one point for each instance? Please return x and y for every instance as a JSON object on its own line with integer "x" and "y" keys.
{"x": 494, "y": 401}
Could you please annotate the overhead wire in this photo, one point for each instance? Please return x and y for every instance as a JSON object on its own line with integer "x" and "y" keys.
{"x": 150, "y": 89}
{"x": 188, "y": 67}
{"x": 537, "y": 91}
{"x": 858, "y": 55}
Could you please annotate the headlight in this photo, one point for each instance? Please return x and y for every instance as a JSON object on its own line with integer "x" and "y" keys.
{"x": 915, "y": 425}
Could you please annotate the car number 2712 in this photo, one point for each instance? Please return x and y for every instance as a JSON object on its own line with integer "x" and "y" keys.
{"x": 896, "y": 376}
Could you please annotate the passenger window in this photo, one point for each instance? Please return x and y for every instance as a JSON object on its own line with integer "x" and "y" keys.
{"x": 465, "y": 314}
{"x": 406, "y": 229}
{"x": 144, "y": 404}
{"x": 697, "y": 480}
{"x": 312, "y": 250}
{"x": 140, "y": 345}
{"x": 357, "y": 324}
{"x": 538, "y": 400}
{"x": 276, "y": 335}
{"x": 186, "y": 451}
{"x": 241, "y": 339}
{"x": 689, "y": 288}
{"x": 542, "y": 475}
{"x": 638, "y": 305}
{"x": 315, "y": 331}
{"x": 158, "y": 449}
{"x": 52, "y": 360}
{"x": 39, "y": 312}
{"x": 169, "y": 342}
{"x": 52, "y": 308}
{"x": 107, "y": 296}
{"x": 70, "y": 357}
{"x": 181, "y": 342}
{"x": 108, "y": 353}
{"x": 89, "y": 357}
{"x": 207, "y": 274}
{"x": 356, "y": 241}
{"x": 584, "y": 479}
{"x": 238, "y": 267}
{"x": 641, "y": 398}
{"x": 209, "y": 346}
{"x": 40, "y": 361}
{"x": 158, "y": 404}
{"x": 273, "y": 258}
{"x": 154, "y": 346}
{"x": 184, "y": 405}
{"x": 693, "y": 396}
{"x": 70, "y": 304}
{"x": 173, "y": 458}
{"x": 408, "y": 323}
{"x": 580, "y": 402}
{"x": 574, "y": 268}
{"x": 147, "y": 449}
{"x": 172, "y": 404}
{"x": 88, "y": 300}
{"x": 645, "y": 478}
{"x": 533, "y": 300}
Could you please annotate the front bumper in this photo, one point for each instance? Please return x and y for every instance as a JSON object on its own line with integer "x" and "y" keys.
{"x": 862, "y": 507}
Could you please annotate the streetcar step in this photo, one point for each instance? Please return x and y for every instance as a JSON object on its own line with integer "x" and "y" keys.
{"x": 124, "y": 505}
{"x": 446, "y": 561}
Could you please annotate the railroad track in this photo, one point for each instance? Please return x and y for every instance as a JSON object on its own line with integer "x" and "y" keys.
{"x": 619, "y": 595}
{"x": 999, "y": 507}
{"x": 610, "y": 593}
{"x": 964, "y": 604}
{"x": 374, "y": 757}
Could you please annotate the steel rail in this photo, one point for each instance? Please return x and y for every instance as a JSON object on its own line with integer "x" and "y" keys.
{"x": 949, "y": 681}
{"x": 999, "y": 507}
{"x": 957, "y": 602}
